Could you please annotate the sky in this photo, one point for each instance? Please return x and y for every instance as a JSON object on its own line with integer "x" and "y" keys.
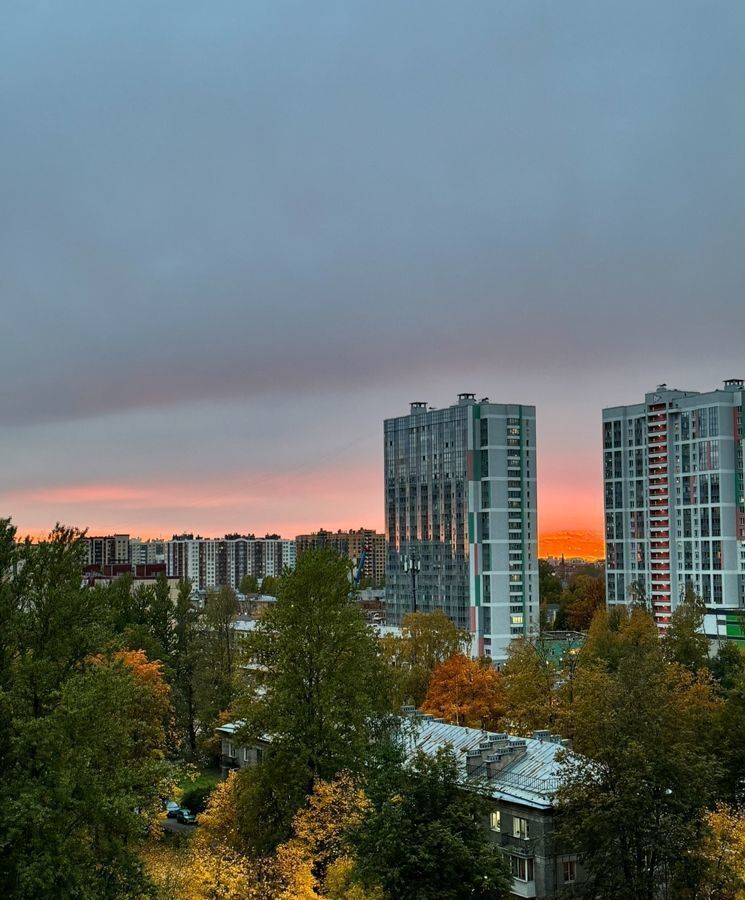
{"x": 236, "y": 236}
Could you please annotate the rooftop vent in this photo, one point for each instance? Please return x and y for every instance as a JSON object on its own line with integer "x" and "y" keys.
{"x": 466, "y": 398}
{"x": 418, "y": 406}
{"x": 734, "y": 384}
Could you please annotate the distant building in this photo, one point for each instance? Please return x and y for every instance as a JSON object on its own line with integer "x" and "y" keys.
{"x": 460, "y": 505}
{"x": 146, "y": 552}
{"x": 675, "y": 503}
{"x": 350, "y": 544}
{"x": 107, "y": 550}
{"x": 214, "y": 562}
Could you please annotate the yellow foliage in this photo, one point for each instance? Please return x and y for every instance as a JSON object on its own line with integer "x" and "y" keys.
{"x": 340, "y": 886}
{"x": 301, "y": 864}
{"x": 724, "y": 850}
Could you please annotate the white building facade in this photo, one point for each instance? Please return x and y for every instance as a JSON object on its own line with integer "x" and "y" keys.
{"x": 213, "y": 562}
{"x": 460, "y": 499}
{"x": 675, "y": 503}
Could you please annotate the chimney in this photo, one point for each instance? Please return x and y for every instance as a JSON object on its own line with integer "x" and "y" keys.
{"x": 494, "y": 754}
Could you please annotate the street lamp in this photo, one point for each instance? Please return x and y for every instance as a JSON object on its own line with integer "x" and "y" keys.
{"x": 412, "y": 564}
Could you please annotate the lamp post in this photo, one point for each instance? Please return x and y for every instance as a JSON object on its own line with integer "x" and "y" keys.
{"x": 413, "y": 565}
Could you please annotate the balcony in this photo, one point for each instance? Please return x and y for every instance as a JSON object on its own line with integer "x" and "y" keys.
{"x": 229, "y": 762}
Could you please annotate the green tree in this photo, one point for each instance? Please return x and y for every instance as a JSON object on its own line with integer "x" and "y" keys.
{"x": 270, "y": 585}
{"x": 186, "y": 660}
{"x": 319, "y": 688}
{"x": 426, "y": 640}
{"x": 83, "y": 741}
{"x": 643, "y": 772}
{"x": 424, "y": 838}
{"x": 216, "y": 674}
{"x": 684, "y": 641}
{"x": 249, "y": 585}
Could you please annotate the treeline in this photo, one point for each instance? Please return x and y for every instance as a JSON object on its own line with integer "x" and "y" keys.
{"x": 104, "y": 693}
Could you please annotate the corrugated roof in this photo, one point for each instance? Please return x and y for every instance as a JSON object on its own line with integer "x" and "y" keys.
{"x": 532, "y": 778}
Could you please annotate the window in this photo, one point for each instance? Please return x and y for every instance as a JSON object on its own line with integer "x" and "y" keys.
{"x": 570, "y": 871}
{"x": 246, "y": 754}
{"x": 521, "y": 868}
{"x": 519, "y": 827}
{"x": 495, "y": 820}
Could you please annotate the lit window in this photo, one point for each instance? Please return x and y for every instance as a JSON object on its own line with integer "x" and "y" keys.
{"x": 495, "y": 820}
{"x": 519, "y": 827}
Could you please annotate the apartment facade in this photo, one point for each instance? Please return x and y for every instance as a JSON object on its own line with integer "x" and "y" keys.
{"x": 213, "y": 562}
{"x": 349, "y": 544}
{"x": 675, "y": 503}
{"x": 461, "y": 518}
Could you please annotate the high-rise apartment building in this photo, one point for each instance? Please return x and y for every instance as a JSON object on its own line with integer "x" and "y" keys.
{"x": 675, "y": 503}
{"x": 107, "y": 550}
{"x": 460, "y": 506}
{"x": 214, "y": 562}
{"x": 350, "y": 544}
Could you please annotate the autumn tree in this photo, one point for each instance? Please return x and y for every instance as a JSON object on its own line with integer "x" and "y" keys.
{"x": 529, "y": 681}
{"x": 465, "y": 691}
{"x": 320, "y": 840}
{"x": 320, "y": 687}
{"x": 722, "y": 855}
{"x": 82, "y": 754}
{"x": 426, "y": 640}
{"x": 644, "y": 769}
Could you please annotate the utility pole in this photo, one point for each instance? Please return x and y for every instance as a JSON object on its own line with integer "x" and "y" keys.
{"x": 413, "y": 565}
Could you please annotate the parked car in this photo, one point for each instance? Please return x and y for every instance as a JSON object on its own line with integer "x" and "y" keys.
{"x": 172, "y": 809}
{"x": 186, "y": 817}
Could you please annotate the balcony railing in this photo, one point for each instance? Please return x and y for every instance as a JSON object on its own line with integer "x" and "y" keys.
{"x": 521, "y": 846}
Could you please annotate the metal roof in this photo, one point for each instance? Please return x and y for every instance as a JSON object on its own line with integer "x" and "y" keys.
{"x": 532, "y": 778}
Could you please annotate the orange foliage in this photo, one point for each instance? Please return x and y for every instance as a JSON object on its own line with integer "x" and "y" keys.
{"x": 466, "y": 692}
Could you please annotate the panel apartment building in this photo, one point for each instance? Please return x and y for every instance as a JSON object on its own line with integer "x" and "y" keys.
{"x": 214, "y": 562}
{"x": 675, "y": 503}
{"x": 349, "y": 544}
{"x": 460, "y": 500}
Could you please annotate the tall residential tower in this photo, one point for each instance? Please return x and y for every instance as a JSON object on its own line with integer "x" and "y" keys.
{"x": 461, "y": 523}
{"x": 675, "y": 503}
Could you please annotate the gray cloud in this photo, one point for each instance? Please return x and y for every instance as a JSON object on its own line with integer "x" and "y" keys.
{"x": 237, "y": 200}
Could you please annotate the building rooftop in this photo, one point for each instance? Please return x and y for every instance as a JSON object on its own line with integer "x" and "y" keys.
{"x": 532, "y": 777}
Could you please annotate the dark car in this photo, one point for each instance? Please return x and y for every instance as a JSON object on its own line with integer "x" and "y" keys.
{"x": 186, "y": 817}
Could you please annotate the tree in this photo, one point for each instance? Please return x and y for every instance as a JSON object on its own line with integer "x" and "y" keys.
{"x": 425, "y": 839}
{"x": 186, "y": 658}
{"x": 249, "y": 585}
{"x": 723, "y": 855}
{"x": 586, "y": 595}
{"x": 465, "y": 691}
{"x": 216, "y": 675}
{"x": 684, "y": 641}
{"x": 270, "y": 585}
{"x": 529, "y": 680}
{"x": 83, "y": 744}
{"x": 319, "y": 842}
{"x": 426, "y": 640}
{"x": 318, "y": 691}
{"x": 643, "y": 772}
